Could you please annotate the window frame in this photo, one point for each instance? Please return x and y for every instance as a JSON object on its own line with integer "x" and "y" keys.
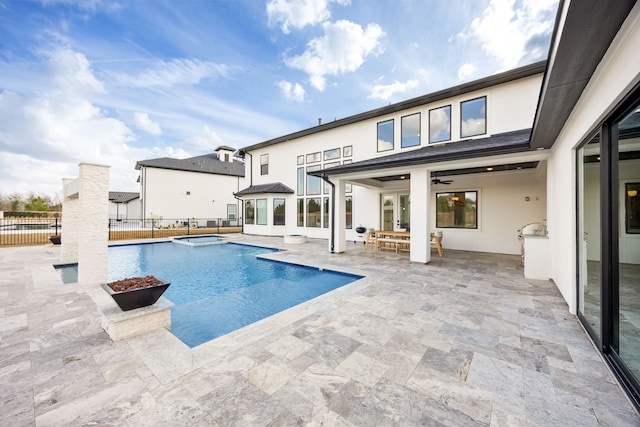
{"x": 277, "y": 203}
{"x": 300, "y": 209}
{"x": 318, "y": 223}
{"x": 311, "y": 179}
{"x": 402, "y": 135}
{"x": 476, "y": 210}
{"x": 484, "y": 118}
{"x": 249, "y": 218}
{"x": 432, "y": 140}
{"x": 261, "y": 219}
{"x": 385, "y": 122}
{"x": 264, "y": 164}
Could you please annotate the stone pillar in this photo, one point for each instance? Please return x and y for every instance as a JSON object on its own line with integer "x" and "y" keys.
{"x": 340, "y": 211}
{"x": 93, "y": 235}
{"x": 420, "y": 194}
{"x": 70, "y": 218}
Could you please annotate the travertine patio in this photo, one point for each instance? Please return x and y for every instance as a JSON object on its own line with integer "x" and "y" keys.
{"x": 464, "y": 340}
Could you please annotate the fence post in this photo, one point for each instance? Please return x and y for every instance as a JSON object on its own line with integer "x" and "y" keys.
{"x": 188, "y": 227}
{"x": 153, "y": 226}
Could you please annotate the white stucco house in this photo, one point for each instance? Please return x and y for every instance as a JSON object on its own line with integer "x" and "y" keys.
{"x": 196, "y": 187}
{"x": 555, "y": 143}
{"x": 124, "y": 205}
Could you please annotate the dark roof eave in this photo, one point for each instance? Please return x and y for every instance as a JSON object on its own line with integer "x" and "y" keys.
{"x": 496, "y": 79}
{"x": 354, "y": 167}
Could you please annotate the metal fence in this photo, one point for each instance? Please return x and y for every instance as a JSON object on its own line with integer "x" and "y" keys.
{"x": 40, "y": 231}
{"x": 16, "y": 231}
{"x": 125, "y": 229}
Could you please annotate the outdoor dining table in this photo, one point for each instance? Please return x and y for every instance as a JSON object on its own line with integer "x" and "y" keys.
{"x": 399, "y": 241}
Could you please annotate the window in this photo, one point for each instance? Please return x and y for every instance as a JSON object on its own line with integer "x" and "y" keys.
{"x": 632, "y": 207}
{"x": 226, "y": 157}
{"x": 300, "y": 213}
{"x": 300, "y": 160}
{"x": 313, "y": 212}
{"x": 473, "y": 117}
{"x": 313, "y": 157}
{"x": 278, "y": 212}
{"x": 326, "y": 188}
{"x": 325, "y": 211}
{"x": 457, "y": 210}
{"x": 332, "y": 154}
{"x": 385, "y": 135}
{"x": 300, "y": 191}
{"x": 264, "y": 164}
{"x": 349, "y": 212}
{"x": 440, "y": 124}
{"x": 347, "y": 151}
{"x": 249, "y": 211}
{"x": 261, "y": 214}
{"x": 347, "y": 187}
{"x": 314, "y": 183}
{"x": 410, "y": 131}
{"x": 231, "y": 212}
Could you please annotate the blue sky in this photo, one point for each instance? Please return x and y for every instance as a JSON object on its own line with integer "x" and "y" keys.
{"x": 114, "y": 82}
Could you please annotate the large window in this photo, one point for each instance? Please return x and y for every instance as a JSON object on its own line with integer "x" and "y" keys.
{"x": 278, "y": 212}
{"x": 314, "y": 183}
{"x": 325, "y": 212}
{"x": 457, "y": 209}
{"x": 231, "y": 212}
{"x": 632, "y": 207}
{"x": 300, "y": 213}
{"x": 385, "y": 135}
{"x": 410, "y": 131}
{"x": 264, "y": 164}
{"x": 473, "y": 117}
{"x": 314, "y": 214}
{"x": 440, "y": 124}
{"x": 249, "y": 211}
{"x": 349, "y": 212}
{"x": 261, "y": 211}
{"x": 300, "y": 182}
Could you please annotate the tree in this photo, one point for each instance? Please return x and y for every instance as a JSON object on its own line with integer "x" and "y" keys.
{"x": 36, "y": 204}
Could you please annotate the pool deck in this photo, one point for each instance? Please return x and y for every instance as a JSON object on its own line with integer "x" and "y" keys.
{"x": 463, "y": 340}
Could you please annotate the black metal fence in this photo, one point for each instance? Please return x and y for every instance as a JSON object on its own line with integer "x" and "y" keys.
{"x": 125, "y": 229}
{"x": 40, "y": 231}
{"x": 22, "y": 231}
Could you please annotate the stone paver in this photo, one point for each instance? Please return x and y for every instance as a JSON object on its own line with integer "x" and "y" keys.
{"x": 464, "y": 340}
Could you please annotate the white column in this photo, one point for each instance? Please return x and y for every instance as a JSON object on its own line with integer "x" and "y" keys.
{"x": 420, "y": 194}
{"x": 339, "y": 225}
{"x": 70, "y": 218}
{"x": 93, "y": 236}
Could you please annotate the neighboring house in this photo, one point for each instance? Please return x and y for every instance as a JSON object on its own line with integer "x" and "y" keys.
{"x": 124, "y": 205}
{"x": 556, "y": 142}
{"x": 197, "y": 187}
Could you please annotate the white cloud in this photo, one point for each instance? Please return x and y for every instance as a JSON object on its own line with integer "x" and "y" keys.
{"x": 207, "y": 140}
{"x": 142, "y": 121}
{"x": 292, "y": 92}
{"x": 466, "y": 70}
{"x": 387, "y": 91}
{"x": 175, "y": 72}
{"x": 342, "y": 49}
{"x": 473, "y": 126}
{"x": 440, "y": 124}
{"x": 505, "y": 32}
{"x": 299, "y": 13}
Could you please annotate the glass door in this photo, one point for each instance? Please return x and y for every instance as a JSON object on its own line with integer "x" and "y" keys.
{"x": 626, "y": 290}
{"x": 396, "y": 210}
{"x": 589, "y": 280}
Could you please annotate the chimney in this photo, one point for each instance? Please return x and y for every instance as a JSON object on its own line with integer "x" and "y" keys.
{"x": 319, "y": 121}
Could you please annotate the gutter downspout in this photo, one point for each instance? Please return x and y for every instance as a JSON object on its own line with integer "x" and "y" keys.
{"x": 333, "y": 210}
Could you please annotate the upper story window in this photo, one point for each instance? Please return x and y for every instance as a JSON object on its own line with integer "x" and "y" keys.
{"x": 264, "y": 164}
{"x": 473, "y": 117}
{"x": 314, "y": 183}
{"x": 410, "y": 131}
{"x": 440, "y": 124}
{"x": 385, "y": 135}
{"x": 332, "y": 154}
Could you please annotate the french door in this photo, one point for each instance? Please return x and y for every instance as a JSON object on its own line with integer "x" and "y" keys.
{"x": 395, "y": 212}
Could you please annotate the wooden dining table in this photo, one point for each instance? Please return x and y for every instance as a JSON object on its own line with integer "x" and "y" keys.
{"x": 400, "y": 241}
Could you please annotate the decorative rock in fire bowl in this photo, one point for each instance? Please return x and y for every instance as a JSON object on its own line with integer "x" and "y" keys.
{"x": 136, "y": 292}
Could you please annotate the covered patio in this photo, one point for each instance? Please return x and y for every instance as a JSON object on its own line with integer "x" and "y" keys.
{"x": 463, "y": 340}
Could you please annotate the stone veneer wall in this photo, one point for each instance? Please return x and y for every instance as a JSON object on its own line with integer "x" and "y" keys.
{"x": 70, "y": 221}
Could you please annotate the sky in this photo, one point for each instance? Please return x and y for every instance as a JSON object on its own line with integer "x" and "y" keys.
{"x": 115, "y": 82}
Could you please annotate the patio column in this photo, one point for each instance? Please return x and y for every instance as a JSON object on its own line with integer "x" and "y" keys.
{"x": 93, "y": 236}
{"x": 339, "y": 219}
{"x": 420, "y": 195}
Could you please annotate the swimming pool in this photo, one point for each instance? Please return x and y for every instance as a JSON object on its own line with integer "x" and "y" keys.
{"x": 199, "y": 240}
{"x": 219, "y": 288}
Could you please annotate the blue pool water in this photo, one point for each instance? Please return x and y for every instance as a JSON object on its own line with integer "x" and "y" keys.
{"x": 217, "y": 289}
{"x": 198, "y": 240}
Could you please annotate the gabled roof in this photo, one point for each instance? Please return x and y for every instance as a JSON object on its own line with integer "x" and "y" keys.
{"x": 225, "y": 147}
{"x": 122, "y": 196}
{"x": 273, "y": 188}
{"x": 208, "y": 163}
{"x": 494, "y": 80}
{"x": 503, "y": 143}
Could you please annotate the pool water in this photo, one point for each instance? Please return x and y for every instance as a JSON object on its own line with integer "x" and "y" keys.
{"x": 199, "y": 240}
{"x": 217, "y": 289}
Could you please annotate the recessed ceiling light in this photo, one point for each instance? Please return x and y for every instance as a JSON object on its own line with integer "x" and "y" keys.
{"x": 489, "y": 168}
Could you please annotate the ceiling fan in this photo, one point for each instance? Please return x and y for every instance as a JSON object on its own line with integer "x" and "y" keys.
{"x": 437, "y": 180}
